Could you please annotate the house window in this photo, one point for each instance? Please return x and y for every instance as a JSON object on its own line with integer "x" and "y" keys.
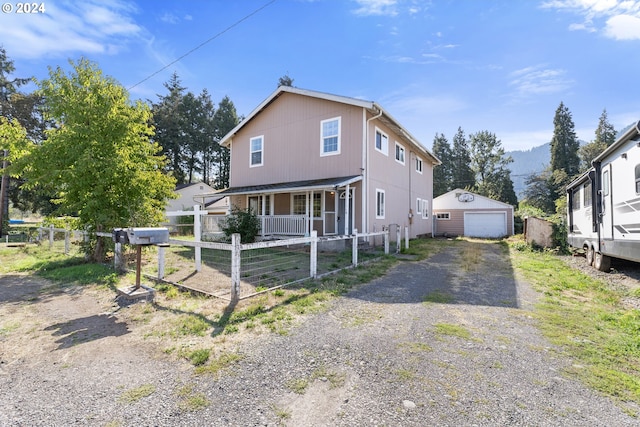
{"x": 255, "y": 155}
{"x": 418, "y": 206}
{"x": 299, "y": 204}
{"x": 637, "y": 179}
{"x": 425, "y": 209}
{"x": 418, "y": 165}
{"x": 330, "y": 141}
{"x": 587, "y": 195}
{"x": 443, "y": 216}
{"x": 382, "y": 142}
{"x": 399, "y": 153}
{"x": 379, "y": 204}
{"x": 255, "y": 204}
{"x": 317, "y": 205}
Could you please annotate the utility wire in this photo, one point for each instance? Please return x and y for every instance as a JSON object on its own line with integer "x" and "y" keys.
{"x": 235, "y": 24}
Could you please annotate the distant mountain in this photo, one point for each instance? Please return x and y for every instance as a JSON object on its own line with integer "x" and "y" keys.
{"x": 527, "y": 162}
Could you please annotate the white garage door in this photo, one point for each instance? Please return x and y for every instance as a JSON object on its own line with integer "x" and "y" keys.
{"x": 485, "y": 224}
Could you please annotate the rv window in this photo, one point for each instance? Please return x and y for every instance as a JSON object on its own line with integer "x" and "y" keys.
{"x": 575, "y": 205}
{"x": 586, "y": 196}
{"x": 637, "y": 179}
{"x": 605, "y": 183}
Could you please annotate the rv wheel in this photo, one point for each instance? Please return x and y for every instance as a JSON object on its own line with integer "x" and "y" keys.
{"x": 590, "y": 253}
{"x": 602, "y": 262}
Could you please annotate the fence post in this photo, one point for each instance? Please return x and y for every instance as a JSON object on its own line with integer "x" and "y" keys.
{"x": 118, "y": 260}
{"x": 398, "y": 239}
{"x": 385, "y": 238}
{"x": 313, "y": 262}
{"x": 161, "y": 260}
{"x": 197, "y": 231}
{"x": 236, "y": 252}
{"x": 66, "y": 242}
{"x": 51, "y": 236}
{"x": 406, "y": 237}
{"x": 354, "y": 248}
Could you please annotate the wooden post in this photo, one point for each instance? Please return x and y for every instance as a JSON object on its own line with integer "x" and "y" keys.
{"x": 236, "y": 252}
{"x": 354, "y": 248}
{"x": 138, "y": 265}
{"x": 313, "y": 261}
{"x": 66, "y": 242}
{"x": 385, "y": 238}
{"x": 197, "y": 231}
{"x": 118, "y": 260}
{"x": 406, "y": 237}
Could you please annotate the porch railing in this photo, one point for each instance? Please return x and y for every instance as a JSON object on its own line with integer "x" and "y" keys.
{"x": 285, "y": 225}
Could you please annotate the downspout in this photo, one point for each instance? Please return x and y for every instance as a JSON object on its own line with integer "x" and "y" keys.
{"x": 365, "y": 166}
{"x": 410, "y": 212}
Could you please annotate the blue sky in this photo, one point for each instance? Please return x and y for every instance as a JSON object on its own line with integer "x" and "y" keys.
{"x": 501, "y": 66}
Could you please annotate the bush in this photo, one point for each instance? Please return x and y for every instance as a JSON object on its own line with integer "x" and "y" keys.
{"x": 244, "y": 222}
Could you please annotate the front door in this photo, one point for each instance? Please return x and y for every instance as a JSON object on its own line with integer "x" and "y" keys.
{"x": 343, "y": 221}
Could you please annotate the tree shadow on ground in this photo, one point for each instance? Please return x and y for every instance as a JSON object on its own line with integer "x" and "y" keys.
{"x": 86, "y": 329}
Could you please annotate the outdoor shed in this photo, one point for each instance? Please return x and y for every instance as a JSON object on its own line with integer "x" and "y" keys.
{"x": 462, "y": 213}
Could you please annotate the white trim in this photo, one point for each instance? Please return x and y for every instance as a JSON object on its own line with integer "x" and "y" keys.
{"x": 380, "y": 215}
{"x": 443, "y": 218}
{"x": 425, "y": 209}
{"x": 418, "y": 206}
{"x": 421, "y": 163}
{"x": 384, "y": 142}
{"x": 251, "y": 152}
{"x": 402, "y": 152}
{"x": 322, "y": 137}
{"x": 306, "y": 201}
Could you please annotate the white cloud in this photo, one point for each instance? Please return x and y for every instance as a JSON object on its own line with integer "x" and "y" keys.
{"x": 376, "y": 7}
{"x": 538, "y": 80}
{"x": 619, "y": 20}
{"x": 524, "y": 140}
{"x": 86, "y": 27}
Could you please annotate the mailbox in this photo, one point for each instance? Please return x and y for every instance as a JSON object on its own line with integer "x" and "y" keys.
{"x": 141, "y": 235}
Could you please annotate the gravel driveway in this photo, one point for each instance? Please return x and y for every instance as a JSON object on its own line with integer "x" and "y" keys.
{"x": 440, "y": 342}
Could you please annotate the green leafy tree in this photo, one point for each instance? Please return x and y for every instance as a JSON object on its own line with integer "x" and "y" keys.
{"x": 538, "y": 192}
{"x": 442, "y": 174}
{"x": 13, "y": 145}
{"x": 490, "y": 165}
{"x": 462, "y": 176}
{"x": 98, "y": 158}
{"x": 605, "y": 136}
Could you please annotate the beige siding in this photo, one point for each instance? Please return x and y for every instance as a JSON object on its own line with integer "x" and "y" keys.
{"x": 454, "y": 226}
{"x": 291, "y": 129}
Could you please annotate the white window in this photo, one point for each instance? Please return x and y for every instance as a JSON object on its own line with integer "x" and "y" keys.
{"x": 256, "y": 149}
{"x": 317, "y": 205}
{"x": 382, "y": 142}
{"x": 443, "y": 216}
{"x": 425, "y": 209}
{"x": 418, "y": 165}
{"x": 299, "y": 204}
{"x": 379, "y": 204}
{"x": 255, "y": 204}
{"x": 418, "y": 206}
{"x": 399, "y": 153}
{"x": 330, "y": 140}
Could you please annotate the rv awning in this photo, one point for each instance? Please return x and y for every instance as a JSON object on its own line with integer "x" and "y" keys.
{"x": 294, "y": 186}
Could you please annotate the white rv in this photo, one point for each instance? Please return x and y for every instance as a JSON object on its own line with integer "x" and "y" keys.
{"x": 604, "y": 204}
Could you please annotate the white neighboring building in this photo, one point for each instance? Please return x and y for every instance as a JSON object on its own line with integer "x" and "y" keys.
{"x": 462, "y": 213}
{"x": 192, "y": 194}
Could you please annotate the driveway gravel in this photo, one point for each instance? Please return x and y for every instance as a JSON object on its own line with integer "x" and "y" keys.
{"x": 446, "y": 341}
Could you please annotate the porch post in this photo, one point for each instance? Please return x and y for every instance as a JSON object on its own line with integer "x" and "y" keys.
{"x": 347, "y": 214}
{"x": 197, "y": 231}
{"x": 311, "y": 211}
{"x": 306, "y": 207}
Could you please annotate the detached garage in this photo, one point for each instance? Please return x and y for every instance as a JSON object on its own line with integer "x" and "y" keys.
{"x": 462, "y": 213}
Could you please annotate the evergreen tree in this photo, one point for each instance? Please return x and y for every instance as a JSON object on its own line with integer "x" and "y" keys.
{"x": 442, "y": 174}
{"x": 605, "y": 136}
{"x": 490, "y": 166}
{"x": 564, "y": 143}
{"x": 285, "y": 81}
{"x": 538, "y": 192}
{"x": 225, "y": 120}
{"x": 462, "y": 175}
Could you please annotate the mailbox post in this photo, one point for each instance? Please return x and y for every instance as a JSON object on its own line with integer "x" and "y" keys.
{"x": 140, "y": 236}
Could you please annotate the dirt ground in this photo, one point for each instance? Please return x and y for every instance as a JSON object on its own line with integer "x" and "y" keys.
{"x": 72, "y": 356}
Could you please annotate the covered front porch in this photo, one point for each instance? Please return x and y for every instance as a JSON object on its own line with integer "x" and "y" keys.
{"x": 295, "y": 208}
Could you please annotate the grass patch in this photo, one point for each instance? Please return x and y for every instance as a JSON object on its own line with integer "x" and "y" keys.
{"x": 297, "y": 385}
{"x": 439, "y": 297}
{"x": 191, "y": 401}
{"x": 587, "y": 320}
{"x": 416, "y": 347}
{"x": 199, "y": 357}
{"x": 452, "y": 330}
{"x": 218, "y": 364}
{"x": 135, "y": 394}
{"x": 188, "y": 324}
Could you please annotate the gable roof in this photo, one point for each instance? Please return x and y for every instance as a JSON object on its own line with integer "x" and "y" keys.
{"x": 371, "y": 106}
{"x": 306, "y": 185}
{"x": 455, "y": 192}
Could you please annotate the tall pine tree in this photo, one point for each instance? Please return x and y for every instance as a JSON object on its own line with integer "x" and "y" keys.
{"x": 462, "y": 176}
{"x": 564, "y": 143}
{"x": 605, "y": 136}
{"x": 490, "y": 165}
{"x": 442, "y": 174}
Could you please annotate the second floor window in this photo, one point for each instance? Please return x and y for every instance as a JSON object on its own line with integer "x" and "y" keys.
{"x": 330, "y": 141}
{"x": 399, "y": 153}
{"x": 418, "y": 165}
{"x": 382, "y": 142}
{"x": 256, "y": 151}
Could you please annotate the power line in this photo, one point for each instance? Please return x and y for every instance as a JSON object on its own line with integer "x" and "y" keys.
{"x": 235, "y": 24}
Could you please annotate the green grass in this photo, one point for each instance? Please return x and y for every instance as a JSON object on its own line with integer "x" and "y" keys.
{"x": 453, "y": 330}
{"x": 191, "y": 401}
{"x": 587, "y": 319}
{"x": 135, "y": 394}
{"x": 439, "y": 297}
{"x": 214, "y": 366}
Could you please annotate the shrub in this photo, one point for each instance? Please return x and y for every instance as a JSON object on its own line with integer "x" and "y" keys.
{"x": 244, "y": 222}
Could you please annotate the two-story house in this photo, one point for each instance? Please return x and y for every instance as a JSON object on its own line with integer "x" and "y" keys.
{"x": 306, "y": 160}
